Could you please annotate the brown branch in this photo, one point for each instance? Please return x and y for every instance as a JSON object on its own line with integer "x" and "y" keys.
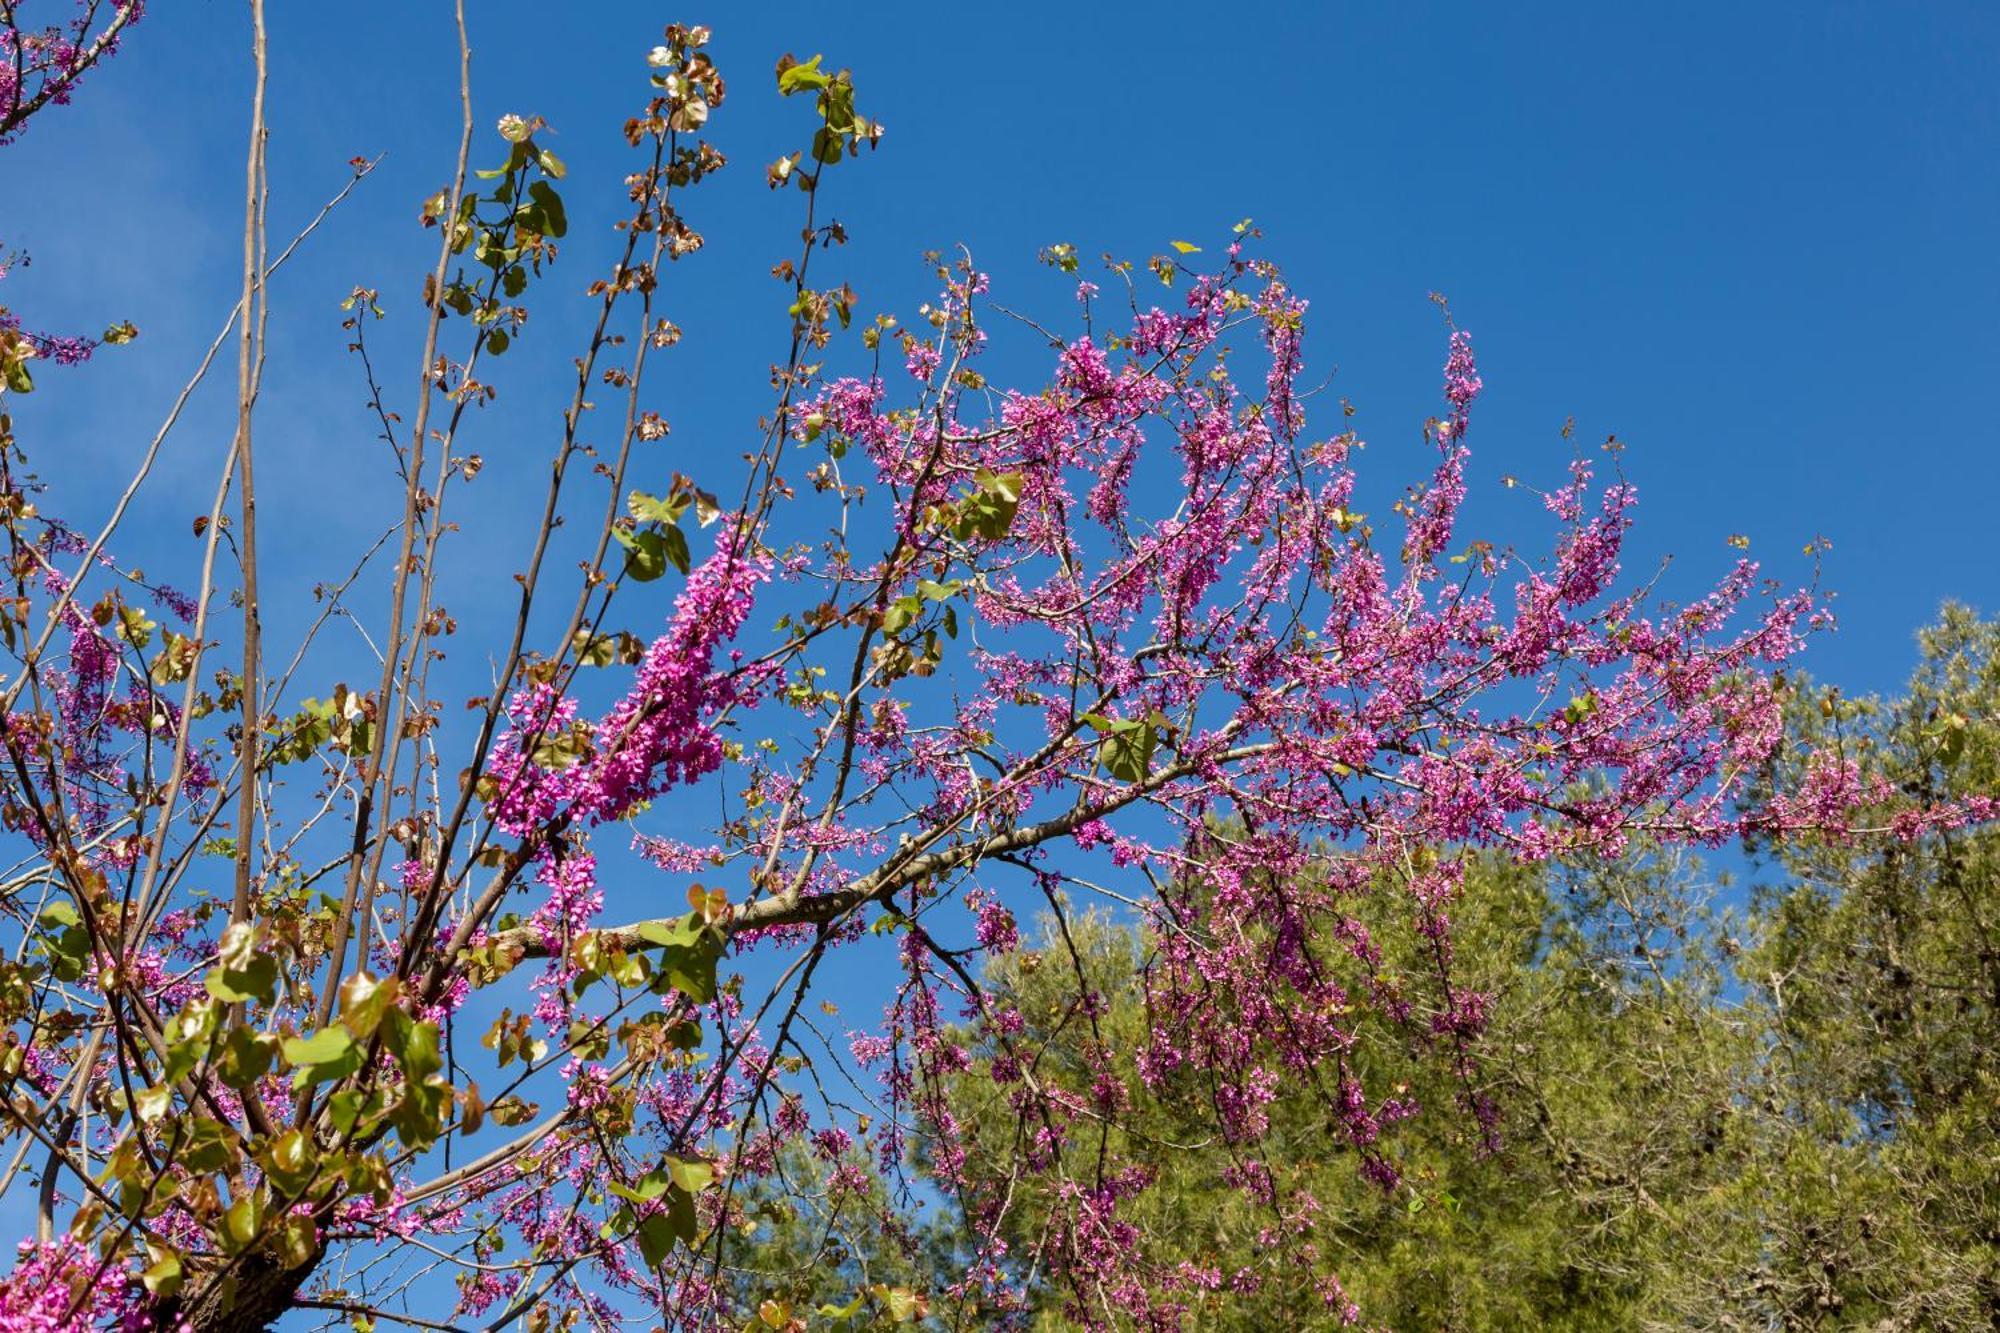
{"x": 352, "y": 901}
{"x": 878, "y": 885}
{"x": 249, "y": 358}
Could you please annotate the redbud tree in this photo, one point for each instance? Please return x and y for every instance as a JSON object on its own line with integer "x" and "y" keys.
{"x": 313, "y": 1002}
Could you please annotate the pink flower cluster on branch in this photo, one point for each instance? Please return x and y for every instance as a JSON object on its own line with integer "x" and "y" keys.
{"x": 41, "y": 65}
{"x": 62, "y": 1286}
{"x": 660, "y": 735}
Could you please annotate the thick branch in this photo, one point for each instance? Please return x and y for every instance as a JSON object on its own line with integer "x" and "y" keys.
{"x": 882, "y": 883}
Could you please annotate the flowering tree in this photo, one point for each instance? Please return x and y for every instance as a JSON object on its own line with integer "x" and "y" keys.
{"x": 312, "y": 977}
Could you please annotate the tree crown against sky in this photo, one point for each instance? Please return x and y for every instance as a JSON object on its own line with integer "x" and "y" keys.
{"x": 316, "y": 969}
{"x": 1721, "y": 1108}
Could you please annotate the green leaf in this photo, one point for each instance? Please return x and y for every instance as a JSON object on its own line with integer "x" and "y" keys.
{"x": 888, "y": 923}
{"x": 544, "y": 211}
{"x": 563, "y": 748}
{"x": 689, "y": 954}
{"x": 297, "y": 1240}
{"x": 242, "y": 1222}
{"x": 826, "y": 146}
{"x": 511, "y": 1110}
{"x": 989, "y": 511}
{"x": 1184, "y": 248}
{"x": 324, "y": 1057}
{"x": 802, "y": 78}
{"x": 163, "y": 1278}
{"x": 656, "y": 1240}
{"x": 656, "y": 509}
{"x": 344, "y": 1108}
{"x": 238, "y": 947}
{"x": 905, "y": 1306}
{"x": 899, "y": 613}
{"x": 134, "y": 627}
{"x": 1060, "y": 256}
{"x": 674, "y": 544}
{"x": 667, "y": 544}
{"x": 1006, "y": 485}
{"x": 149, "y": 1104}
{"x": 322, "y": 1048}
{"x": 594, "y": 650}
{"x": 289, "y": 1159}
{"x": 645, "y": 554}
{"x": 418, "y": 1114}
{"x": 680, "y": 1216}
{"x": 60, "y": 912}
{"x": 836, "y": 105}
{"x": 690, "y": 1173}
{"x": 415, "y": 1046}
{"x": 245, "y": 970}
{"x": 681, "y": 931}
{"x": 246, "y": 1057}
{"x": 650, "y": 1187}
{"x": 1127, "y": 749}
{"x": 364, "y": 1001}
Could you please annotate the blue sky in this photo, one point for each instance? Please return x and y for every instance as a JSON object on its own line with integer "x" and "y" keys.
{"x": 1755, "y": 242}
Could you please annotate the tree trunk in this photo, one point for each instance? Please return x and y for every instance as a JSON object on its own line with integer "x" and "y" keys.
{"x": 263, "y": 1292}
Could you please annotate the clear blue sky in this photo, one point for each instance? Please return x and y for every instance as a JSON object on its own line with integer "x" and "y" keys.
{"x": 1755, "y": 242}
